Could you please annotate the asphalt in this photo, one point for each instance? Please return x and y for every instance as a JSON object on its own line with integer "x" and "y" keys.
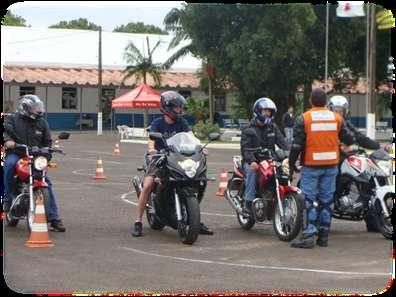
{"x": 97, "y": 253}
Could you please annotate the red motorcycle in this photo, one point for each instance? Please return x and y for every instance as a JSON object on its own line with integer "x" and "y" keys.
{"x": 29, "y": 183}
{"x": 276, "y": 199}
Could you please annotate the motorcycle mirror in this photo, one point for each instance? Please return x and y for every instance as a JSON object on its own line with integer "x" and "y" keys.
{"x": 155, "y": 135}
{"x": 64, "y": 135}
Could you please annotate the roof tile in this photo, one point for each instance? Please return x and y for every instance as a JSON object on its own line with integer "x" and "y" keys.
{"x": 82, "y": 76}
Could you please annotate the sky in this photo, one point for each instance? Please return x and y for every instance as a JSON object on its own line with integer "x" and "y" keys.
{"x": 108, "y": 14}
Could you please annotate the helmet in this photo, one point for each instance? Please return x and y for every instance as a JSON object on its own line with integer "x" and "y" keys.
{"x": 170, "y": 100}
{"x": 264, "y": 103}
{"x": 31, "y": 106}
{"x": 338, "y": 101}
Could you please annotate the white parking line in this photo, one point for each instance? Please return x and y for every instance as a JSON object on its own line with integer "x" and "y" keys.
{"x": 256, "y": 266}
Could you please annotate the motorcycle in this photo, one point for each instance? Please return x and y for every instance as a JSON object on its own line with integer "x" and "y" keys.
{"x": 29, "y": 183}
{"x": 363, "y": 186}
{"x": 174, "y": 199}
{"x": 276, "y": 199}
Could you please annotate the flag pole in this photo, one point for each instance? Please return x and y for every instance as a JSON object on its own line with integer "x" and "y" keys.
{"x": 367, "y": 64}
{"x": 327, "y": 44}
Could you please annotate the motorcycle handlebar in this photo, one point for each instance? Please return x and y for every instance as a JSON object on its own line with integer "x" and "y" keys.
{"x": 35, "y": 148}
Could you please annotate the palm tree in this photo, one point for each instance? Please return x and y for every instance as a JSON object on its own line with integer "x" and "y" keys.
{"x": 174, "y": 22}
{"x": 140, "y": 65}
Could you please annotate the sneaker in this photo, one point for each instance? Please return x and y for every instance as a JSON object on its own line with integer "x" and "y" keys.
{"x": 137, "y": 229}
{"x": 205, "y": 230}
{"x": 6, "y": 206}
{"x": 57, "y": 226}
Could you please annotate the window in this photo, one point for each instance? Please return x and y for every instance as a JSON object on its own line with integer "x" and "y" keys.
{"x": 27, "y": 90}
{"x": 220, "y": 103}
{"x": 185, "y": 93}
{"x": 69, "y": 98}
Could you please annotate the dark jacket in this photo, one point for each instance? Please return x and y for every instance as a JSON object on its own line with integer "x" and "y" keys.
{"x": 254, "y": 136}
{"x": 288, "y": 120}
{"x": 361, "y": 139}
{"x": 24, "y": 130}
{"x": 299, "y": 138}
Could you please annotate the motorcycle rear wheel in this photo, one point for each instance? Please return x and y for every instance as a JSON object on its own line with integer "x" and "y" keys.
{"x": 188, "y": 228}
{"x": 385, "y": 223}
{"x": 30, "y": 216}
{"x": 292, "y": 207}
{"x": 152, "y": 218}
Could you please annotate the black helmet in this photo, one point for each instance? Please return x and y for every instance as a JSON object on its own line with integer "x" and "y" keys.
{"x": 170, "y": 100}
{"x": 31, "y": 106}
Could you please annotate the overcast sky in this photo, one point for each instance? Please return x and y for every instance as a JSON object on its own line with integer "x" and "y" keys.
{"x": 108, "y": 14}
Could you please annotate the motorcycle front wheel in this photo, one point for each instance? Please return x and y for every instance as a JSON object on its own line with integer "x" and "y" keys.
{"x": 188, "y": 228}
{"x": 292, "y": 209}
{"x": 10, "y": 222}
{"x": 43, "y": 192}
{"x": 246, "y": 222}
{"x": 385, "y": 222}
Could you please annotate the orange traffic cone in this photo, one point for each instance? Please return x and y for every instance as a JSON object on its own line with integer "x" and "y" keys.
{"x": 117, "y": 150}
{"x": 99, "y": 170}
{"x": 56, "y": 144}
{"x": 39, "y": 233}
{"x": 223, "y": 183}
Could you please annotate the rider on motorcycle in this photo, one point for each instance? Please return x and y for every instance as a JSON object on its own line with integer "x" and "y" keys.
{"x": 261, "y": 132}
{"x": 340, "y": 105}
{"x": 27, "y": 126}
{"x": 171, "y": 123}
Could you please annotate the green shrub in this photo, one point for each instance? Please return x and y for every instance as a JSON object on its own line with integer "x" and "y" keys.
{"x": 203, "y": 129}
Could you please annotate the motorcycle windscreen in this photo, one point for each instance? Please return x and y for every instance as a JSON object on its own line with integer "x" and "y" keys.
{"x": 184, "y": 143}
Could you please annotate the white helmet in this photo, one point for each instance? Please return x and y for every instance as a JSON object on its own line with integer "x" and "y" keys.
{"x": 338, "y": 101}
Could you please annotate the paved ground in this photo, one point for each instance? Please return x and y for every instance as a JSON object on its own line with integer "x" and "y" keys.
{"x": 97, "y": 254}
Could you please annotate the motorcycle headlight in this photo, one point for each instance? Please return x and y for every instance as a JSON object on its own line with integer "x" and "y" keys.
{"x": 40, "y": 163}
{"x": 386, "y": 166}
{"x": 285, "y": 166}
{"x": 189, "y": 166}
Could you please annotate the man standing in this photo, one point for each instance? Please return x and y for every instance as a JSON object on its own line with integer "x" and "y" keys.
{"x": 317, "y": 136}
{"x": 288, "y": 124}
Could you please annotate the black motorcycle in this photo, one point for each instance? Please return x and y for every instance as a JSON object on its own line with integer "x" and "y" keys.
{"x": 180, "y": 186}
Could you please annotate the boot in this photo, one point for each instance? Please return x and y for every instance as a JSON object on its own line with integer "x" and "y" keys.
{"x": 205, "y": 230}
{"x": 248, "y": 207}
{"x": 323, "y": 238}
{"x": 305, "y": 241}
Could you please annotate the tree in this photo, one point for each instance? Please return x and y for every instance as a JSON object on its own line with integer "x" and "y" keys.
{"x": 199, "y": 109}
{"x": 139, "y": 27}
{"x": 174, "y": 21}
{"x": 268, "y": 50}
{"x": 81, "y": 23}
{"x": 140, "y": 66}
{"x": 11, "y": 19}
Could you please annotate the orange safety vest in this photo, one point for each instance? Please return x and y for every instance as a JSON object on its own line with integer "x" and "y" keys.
{"x": 322, "y": 128}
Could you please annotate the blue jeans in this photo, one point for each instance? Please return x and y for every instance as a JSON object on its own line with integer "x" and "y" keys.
{"x": 9, "y": 171}
{"x": 250, "y": 183}
{"x": 289, "y": 134}
{"x": 318, "y": 186}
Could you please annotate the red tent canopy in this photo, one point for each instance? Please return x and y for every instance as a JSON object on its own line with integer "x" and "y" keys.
{"x": 142, "y": 96}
